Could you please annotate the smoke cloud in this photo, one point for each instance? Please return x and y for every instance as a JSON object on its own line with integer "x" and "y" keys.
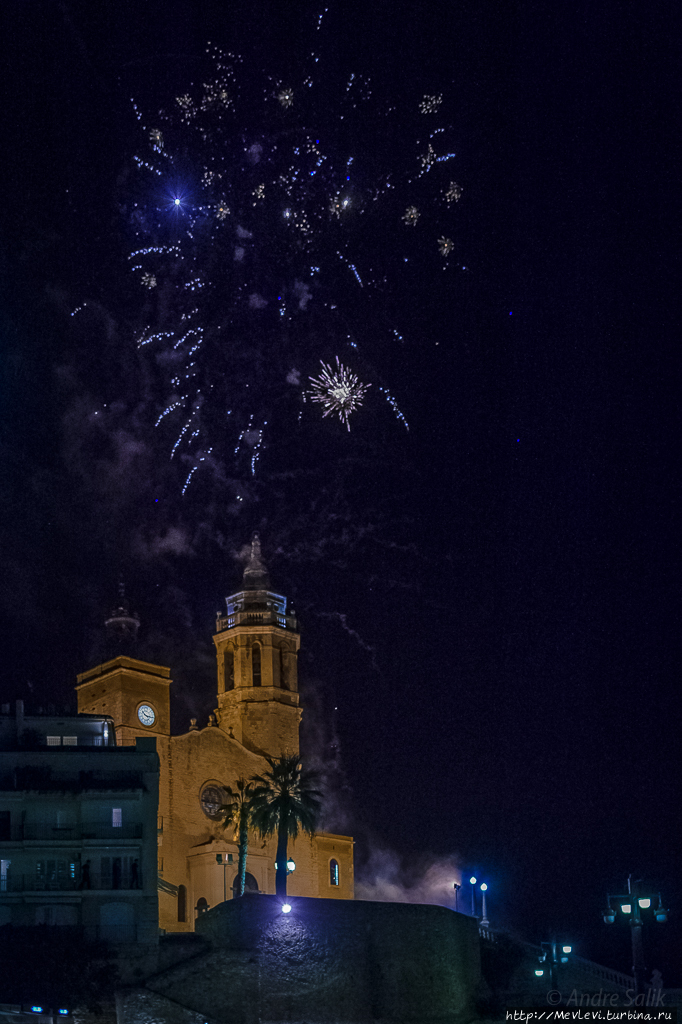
{"x": 386, "y": 878}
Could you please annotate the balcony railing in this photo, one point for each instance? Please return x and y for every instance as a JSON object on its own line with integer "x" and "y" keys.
{"x": 98, "y": 882}
{"x": 268, "y": 618}
{"x": 73, "y": 833}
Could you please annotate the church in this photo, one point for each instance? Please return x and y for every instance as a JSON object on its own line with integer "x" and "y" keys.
{"x": 257, "y": 716}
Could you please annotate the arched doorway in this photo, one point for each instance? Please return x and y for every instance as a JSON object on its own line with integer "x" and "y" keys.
{"x": 250, "y": 884}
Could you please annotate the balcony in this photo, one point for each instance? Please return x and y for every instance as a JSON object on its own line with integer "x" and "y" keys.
{"x": 41, "y": 883}
{"x": 82, "y": 832}
{"x": 266, "y": 618}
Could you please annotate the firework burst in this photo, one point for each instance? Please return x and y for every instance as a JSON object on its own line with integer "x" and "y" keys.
{"x": 338, "y": 390}
{"x": 270, "y": 235}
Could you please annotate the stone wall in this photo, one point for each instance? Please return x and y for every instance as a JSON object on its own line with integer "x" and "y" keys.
{"x": 340, "y": 961}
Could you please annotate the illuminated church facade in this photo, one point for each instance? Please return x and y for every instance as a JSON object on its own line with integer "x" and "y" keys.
{"x": 258, "y": 715}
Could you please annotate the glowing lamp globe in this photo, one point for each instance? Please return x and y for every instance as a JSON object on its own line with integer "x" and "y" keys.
{"x": 609, "y": 916}
{"x": 626, "y": 908}
{"x": 566, "y": 949}
{"x": 661, "y": 915}
{"x": 484, "y": 887}
{"x": 473, "y": 880}
{"x": 644, "y": 903}
{"x": 291, "y": 865}
{"x": 286, "y": 908}
{"x": 538, "y": 974}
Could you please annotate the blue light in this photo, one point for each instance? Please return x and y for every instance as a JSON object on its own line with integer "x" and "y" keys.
{"x": 510, "y": 312}
{"x": 177, "y": 203}
{"x": 286, "y": 908}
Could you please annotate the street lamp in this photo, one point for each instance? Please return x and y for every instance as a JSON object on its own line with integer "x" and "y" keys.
{"x": 456, "y": 886}
{"x": 630, "y": 906}
{"x": 221, "y": 858}
{"x": 472, "y": 882}
{"x": 552, "y": 956}
{"x": 485, "y": 923}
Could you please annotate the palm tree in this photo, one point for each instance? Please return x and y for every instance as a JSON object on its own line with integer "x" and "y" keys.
{"x": 285, "y": 801}
{"x": 237, "y": 812}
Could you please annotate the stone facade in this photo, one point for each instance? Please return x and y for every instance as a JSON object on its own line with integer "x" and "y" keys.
{"x": 258, "y": 715}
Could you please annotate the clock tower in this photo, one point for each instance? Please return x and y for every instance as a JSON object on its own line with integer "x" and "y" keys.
{"x": 135, "y": 693}
{"x": 257, "y": 643}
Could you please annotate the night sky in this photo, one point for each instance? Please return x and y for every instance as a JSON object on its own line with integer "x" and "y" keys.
{"x": 489, "y": 603}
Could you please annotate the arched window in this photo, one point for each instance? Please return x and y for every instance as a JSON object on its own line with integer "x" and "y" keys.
{"x": 282, "y": 677}
{"x": 202, "y": 906}
{"x": 255, "y": 664}
{"x": 333, "y": 872}
{"x": 228, "y": 668}
{"x": 182, "y": 903}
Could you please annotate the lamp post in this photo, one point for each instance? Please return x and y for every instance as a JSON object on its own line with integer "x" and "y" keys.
{"x": 456, "y": 886}
{"x": 631, "y": 906}
{"x": 485, "y": 923}
{"x": 472, "y": 882}
{"x": 221, "y": 858}
{"x": 552, "y": 956}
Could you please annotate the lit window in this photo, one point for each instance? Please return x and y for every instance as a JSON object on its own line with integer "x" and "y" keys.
{"x": 97, "y": 741}
{"x": 54, "y": 741}
{"x": 333, "y": 872}
{"x": 70, "y": 741}
{"x": 116, "y": 817}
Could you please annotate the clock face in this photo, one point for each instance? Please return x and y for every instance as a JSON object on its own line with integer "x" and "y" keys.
{"x": 146, "y": 714}
{"x": 212, "y": 799}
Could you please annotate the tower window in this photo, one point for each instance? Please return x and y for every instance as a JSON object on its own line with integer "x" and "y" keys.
{"x": 182, "y": 903}
{"x": 54, "y": 741}
{"x": 228, "y": 667}
{"x": 116, "y": 817}
{"x": 282, "y": 677}
{"x": 333, "y": 872}
{"x": 255, "y": 664}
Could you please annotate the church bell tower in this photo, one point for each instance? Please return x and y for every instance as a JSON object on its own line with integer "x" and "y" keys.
{"x": 257, "y": 645}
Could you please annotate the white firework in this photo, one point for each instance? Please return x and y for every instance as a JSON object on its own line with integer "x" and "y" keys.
{"x": 430, "y": 104}
{"x": 338, "y": 390}
{"x": 411, "y": 215}
{"x": 454, "y": 193}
